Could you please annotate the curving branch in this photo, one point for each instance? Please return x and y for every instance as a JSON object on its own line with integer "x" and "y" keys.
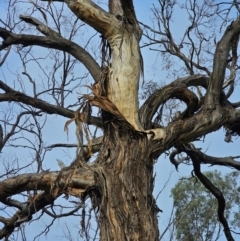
{"x": 178, "y": 89}
{"x": 236, "y": 104}
{"x": 16, "y": 96}
{"x": 63, "y": 214}
{"x": 51, "y": 40}
{"x": 176, "y": 161}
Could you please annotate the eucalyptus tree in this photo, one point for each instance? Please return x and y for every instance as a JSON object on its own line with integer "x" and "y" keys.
{"x": 119, "y": 179}
{"x": 195, "y": 207}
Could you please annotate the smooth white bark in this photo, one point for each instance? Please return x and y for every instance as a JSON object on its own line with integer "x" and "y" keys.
{"x": 124, "y": 75}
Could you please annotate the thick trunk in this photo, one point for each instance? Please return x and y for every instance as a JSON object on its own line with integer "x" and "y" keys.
{"x": 128, "y": 210}
{"x": 124, "y": 171}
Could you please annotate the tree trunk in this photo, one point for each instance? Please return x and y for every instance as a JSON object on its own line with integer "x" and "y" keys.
{"x": 128, "y": 210}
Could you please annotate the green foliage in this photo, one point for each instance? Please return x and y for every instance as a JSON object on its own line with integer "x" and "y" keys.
{"x": 196, "y": 216}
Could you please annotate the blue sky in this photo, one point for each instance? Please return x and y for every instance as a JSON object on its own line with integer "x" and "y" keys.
{"x": 214, "y": 143}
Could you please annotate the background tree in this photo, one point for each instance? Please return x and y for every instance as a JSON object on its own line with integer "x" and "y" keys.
{"x": 113, "y": 164}
{"x": 196, "y": 208}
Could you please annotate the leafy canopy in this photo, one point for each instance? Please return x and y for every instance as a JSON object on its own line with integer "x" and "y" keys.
{"x": 196, "y": 208}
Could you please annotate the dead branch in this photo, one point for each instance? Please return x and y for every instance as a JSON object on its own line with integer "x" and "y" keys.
{"x": 25, "y": 214}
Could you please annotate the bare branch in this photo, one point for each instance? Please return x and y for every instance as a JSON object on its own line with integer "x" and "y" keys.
{"x": 4, "y": 140}
{"x": 165, "y": 37}
{"x": 196, "y": 159}
{"x": 206, "y": 159}
{"x": 63, "y": 214}
{"x": 95, "y": 145}
{"x": 52, "y": 40}
{"x": 5, "y": 56}
{"x": 16, "y": 96}
{"x": 25, "y": 215}
{"x": 80, "y": 179}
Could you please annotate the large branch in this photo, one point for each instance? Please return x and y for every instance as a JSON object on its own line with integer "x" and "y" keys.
{"x": 53, "y": 184}
{"x": 178, "y": 89}
{"x": 69, "y": 182}
{"x": 50, "y": 184}
{"x": 47, "y": 181}
{"x": 220, "y": 63}
{"x": 90, "y": 13}
{"x": 51, "y": 40}
{"x": 188, "y": 130}
{"x": 16, "y": 96}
